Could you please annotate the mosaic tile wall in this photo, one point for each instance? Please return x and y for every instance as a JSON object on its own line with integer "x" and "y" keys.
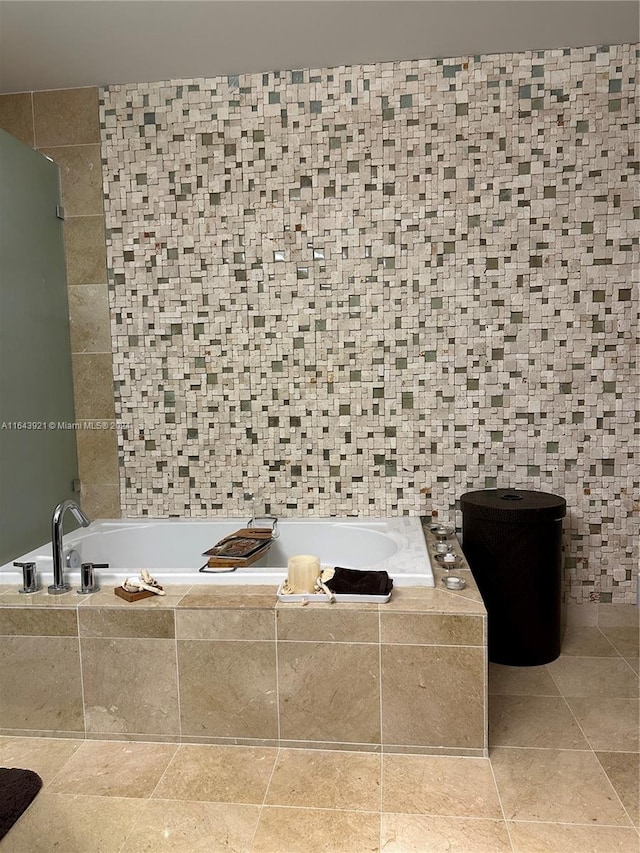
{"x": 369, "y": 289}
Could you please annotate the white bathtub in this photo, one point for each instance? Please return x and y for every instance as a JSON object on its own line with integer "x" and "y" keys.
{"x": 171, "y": 549}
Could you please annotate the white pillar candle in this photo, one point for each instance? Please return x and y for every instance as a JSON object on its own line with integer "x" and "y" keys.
{"x": 304, "y": 571}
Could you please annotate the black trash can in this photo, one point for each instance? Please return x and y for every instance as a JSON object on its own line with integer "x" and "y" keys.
{"x": 512, "y": 540}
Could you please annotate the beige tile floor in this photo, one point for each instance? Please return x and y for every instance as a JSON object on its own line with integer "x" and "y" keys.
{"x": 562, "y": 776}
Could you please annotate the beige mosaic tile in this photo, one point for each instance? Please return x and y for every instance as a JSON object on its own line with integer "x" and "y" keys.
{"x": 371, "y": 288}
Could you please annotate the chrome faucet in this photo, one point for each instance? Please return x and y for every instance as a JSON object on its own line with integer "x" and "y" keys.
{"x": 58, "y": 586}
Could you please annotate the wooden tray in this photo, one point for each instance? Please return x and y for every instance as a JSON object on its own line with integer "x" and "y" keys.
{"x": 132, "y": 596}
{"x": 241, "y": 548}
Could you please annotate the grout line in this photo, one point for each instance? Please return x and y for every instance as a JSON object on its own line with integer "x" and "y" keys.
{"x": 48, "y": 784}
{"x": 69, "y": 145}
{"x": 84, "y": 707}
{"x": 595, "y": 755}
{"x": 624, "y": 808}
{"x": 573, "y": 716}
{"x": 498, "y": 794}
{"x": 275, "y": 643}
{"x": 164, "y": 772}
{"x": 566, "y": 823}
{"x": 485, "y": 654}
{"x": 266, "y": 791}
{"x": 33, "y": 122}
{"x": 587, "y": 748}
{"x": 175, "y": 640}
{"x": 143, "y": 806}
{"x": 313, "y": 809}
{"x": 602, "y": 634}
{"x": 144, "y": 801}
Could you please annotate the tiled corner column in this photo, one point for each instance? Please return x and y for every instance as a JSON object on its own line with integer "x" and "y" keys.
{"x": 64, "y": 125}
{"x": 230, "y": 665}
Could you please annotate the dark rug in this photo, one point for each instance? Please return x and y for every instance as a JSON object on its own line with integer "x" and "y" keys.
{"x": 18, "y": 788}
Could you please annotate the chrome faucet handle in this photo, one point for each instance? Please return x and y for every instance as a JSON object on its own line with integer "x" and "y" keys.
{"x": 88, "y": 581}
{"x": 29, "y": 577}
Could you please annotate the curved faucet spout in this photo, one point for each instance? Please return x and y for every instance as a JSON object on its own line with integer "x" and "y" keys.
{"x": 58, "y": 586}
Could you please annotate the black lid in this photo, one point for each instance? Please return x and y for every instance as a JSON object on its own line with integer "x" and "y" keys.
{"x": 513, "y": 505}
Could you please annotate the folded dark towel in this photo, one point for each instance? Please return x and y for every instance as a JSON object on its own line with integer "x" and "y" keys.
{"x": 359, "y": 582}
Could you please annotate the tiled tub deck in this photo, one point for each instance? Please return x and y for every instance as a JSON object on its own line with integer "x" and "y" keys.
{"x": 232, "y": 665}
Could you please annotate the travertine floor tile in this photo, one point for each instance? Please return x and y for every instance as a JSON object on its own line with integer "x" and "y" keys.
{"x": 427, "y": 834}
{"x": 586, "y": 641}
{"x": 609, "y": 724}
{"x": 589, "y": 676}
{"x": 43, "y": 755}
{"x": 326, "y": 780}
{"x": 186, "y": 827}
{"x": 283, "y": 830}
{"x": 73, "y": 824}
{"x": 548, "y": 837}
{"x": 625, "y": 638}
{"x": 439, "y": 785}
{"x": 521, "y": 680}
{"x": 620, "y": 615}
{"x": 114, "y": 769}
{"x": 543, "y": 721}
{"x": 623, "y": 770}
{"x": 226, "y": 774}
{"x": 568, "y": 786}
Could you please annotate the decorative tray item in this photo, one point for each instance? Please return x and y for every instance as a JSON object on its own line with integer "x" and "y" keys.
{"x": 241, "y": 548}
{"x": 320, "y": 597}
